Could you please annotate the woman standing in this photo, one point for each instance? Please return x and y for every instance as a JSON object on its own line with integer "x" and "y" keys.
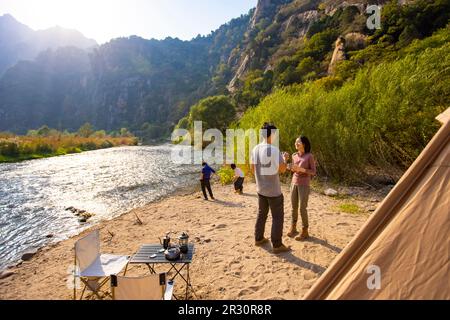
{"x": 304, "y": 167}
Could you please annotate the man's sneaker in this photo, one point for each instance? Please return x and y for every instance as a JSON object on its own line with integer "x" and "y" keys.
{"x": 281, "y": 249}
{"x": 261, "y": 242}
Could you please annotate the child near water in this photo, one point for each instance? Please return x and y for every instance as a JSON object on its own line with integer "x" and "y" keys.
{"x": 207, "y": 171}
{"x": 238, "y": 179}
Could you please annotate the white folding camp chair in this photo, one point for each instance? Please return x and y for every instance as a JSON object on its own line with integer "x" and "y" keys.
{"x": 93, "y": 268}
{"x": 151, "y": 287}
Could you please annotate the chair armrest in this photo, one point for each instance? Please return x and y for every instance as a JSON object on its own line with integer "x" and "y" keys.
{"x": 169, "y": 290}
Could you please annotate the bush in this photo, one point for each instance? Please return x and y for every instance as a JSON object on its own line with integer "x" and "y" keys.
{"x": 88, "y": 146}
{"x": 86, "y": 130}
{"x": 44, "y": 148}
{"x": 9, "y": 149}
{"x": 107, "y": 144}
{"x": 226, "y": 175}
{"x": 61, "y": 151}
{"x": 329, "y": 83}
{"x": 26, "y": 148}
{"x": 73, "y": 150}
{"x": 215, "y": 112}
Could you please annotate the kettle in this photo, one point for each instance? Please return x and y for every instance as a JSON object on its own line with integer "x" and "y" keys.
{"x": 165, "y": 242}
{"x": 184, "y": 242}
{"x": 172, "y": 253}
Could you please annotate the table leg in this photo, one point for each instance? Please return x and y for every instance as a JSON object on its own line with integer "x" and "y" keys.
{"x": 178, "y": 272}
{"x": 151, "y": 268}
{"x": 187, "y": 282}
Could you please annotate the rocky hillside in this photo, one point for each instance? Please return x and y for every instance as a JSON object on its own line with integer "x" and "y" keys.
{"x": 289, "y": 42}
{"x": 278, "y": 30}
{"x": 149, "y": 85}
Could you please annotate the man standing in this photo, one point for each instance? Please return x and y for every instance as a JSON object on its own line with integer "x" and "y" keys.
{"x": 266, "y": 163}
{"x": 204, "y": 180}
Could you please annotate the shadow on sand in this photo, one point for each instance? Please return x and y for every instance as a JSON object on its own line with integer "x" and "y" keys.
{"x": 296, "y": 260}
{"x": 228, "y": 203}
{"x": 324, "y": 244}
{"x": 250, "y": 195}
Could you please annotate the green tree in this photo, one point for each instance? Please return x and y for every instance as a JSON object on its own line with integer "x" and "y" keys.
{"x": 43, "y": 131}
{"x": 256, "y": 85}
{"x": 215, "y": 112}
{"x": 320, "y": 44}
{"x": 32, "y": 133}
{"x": 99, "y": 134}
{"x": 408, "y": 35}
{"x": 86, "y": 130}
{"x": 307, "y": 68}
{"x": 183, "y": 123}
{"x": 125, "y": 133}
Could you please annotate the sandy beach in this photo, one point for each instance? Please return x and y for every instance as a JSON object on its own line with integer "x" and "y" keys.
{"x": 227, "y": 264}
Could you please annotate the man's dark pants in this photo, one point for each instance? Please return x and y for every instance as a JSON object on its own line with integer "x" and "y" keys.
{"x": 238, "y": 184}
{"x": 206, "y": 185}
{"x": 276, "y": 205}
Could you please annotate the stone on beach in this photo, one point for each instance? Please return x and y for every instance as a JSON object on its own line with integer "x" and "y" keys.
{"x": 5, "y": 274}
{"x": 83, "y": 214}
{"x": 331, "y": 192}
{"x": 29, "y": 254}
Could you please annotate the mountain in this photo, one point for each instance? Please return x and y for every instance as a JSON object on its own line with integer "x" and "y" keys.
{"x": 19, "y": 42}
{"x": 128, "y": 82}
{"x": 12, "y": 31}
{"x": 149, "y": 86}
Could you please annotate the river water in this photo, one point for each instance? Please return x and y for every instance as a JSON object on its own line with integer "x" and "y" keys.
{"x": 34, "y": 194}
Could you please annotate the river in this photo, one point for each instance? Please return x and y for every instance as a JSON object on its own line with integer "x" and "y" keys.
{"x": 34, "y": 195}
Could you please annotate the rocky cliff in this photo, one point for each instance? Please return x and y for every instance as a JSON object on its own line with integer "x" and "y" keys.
{"x": 284, "y": 24}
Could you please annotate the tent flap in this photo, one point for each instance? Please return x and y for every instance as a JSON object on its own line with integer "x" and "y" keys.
{"x": 402, "y": 252}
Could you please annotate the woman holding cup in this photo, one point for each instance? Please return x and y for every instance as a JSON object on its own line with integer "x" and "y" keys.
{"x": 303, "y": 166}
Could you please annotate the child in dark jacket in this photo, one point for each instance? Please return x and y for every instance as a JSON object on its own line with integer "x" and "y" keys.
{"x": 207, "y": 171}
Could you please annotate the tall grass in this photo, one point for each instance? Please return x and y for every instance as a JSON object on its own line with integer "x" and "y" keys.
{"x": 383, "y": 118}
{"x": 15, "y": 148}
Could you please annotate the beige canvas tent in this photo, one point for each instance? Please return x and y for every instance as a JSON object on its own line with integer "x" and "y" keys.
{"x": 403, "y": 251}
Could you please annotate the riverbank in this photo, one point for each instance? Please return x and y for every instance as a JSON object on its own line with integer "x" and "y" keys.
{"x": 226, "y": 264}
{"x": 20, "y": 148}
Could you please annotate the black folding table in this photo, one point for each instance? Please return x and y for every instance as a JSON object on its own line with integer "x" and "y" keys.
{"x": 152, "y": 255}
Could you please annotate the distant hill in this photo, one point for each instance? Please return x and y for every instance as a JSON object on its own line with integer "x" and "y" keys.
{"x": 19, "y": 42}
{"x": 128, "y": 82}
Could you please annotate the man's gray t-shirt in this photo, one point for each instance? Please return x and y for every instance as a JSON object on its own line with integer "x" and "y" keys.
{"x": 267, "y": 159}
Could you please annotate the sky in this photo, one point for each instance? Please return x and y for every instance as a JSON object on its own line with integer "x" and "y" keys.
{"x": 103, "y": 20}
